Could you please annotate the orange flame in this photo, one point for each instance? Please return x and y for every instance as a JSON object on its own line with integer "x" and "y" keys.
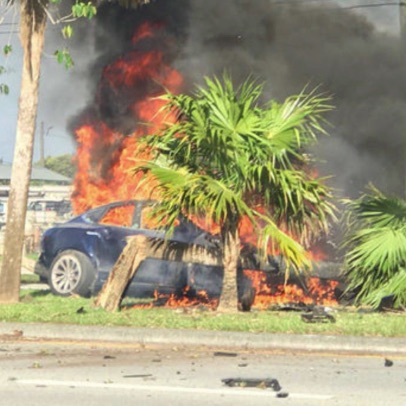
{"x": 105, "y": 158}
{"x": 267, "y": 294}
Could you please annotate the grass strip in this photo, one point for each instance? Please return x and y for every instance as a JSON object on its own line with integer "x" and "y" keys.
{"x": 42, "y": 306}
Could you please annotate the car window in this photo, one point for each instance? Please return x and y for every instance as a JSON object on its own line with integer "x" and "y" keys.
{"x": 36, "y": 206}
{"x": 51, "y": 206}
{"x": 43, "y": 206}
{"x": 149, "y": 222}
{"x": 119, "y": 216}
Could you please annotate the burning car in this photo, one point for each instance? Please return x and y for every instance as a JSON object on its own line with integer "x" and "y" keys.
{"x": 77, "y": 256}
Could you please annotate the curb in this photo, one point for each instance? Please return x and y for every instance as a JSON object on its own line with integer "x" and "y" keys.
{"x": 236, "y": 340}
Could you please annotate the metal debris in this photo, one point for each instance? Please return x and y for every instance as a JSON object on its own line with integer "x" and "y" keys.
{"x": 388, "y": 362}
{"x": 224, "y": 354}
{"x": 318, "y": 315}
{"x": 253, "y": 383}
{"x": 138, "y": 376}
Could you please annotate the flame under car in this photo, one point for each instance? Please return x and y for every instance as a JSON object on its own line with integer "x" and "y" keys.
{"x": 77, "y": 256}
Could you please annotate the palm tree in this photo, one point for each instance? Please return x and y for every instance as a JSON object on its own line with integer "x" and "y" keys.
{"x": 230, "y": 159}
{"x": 375, "y": 262}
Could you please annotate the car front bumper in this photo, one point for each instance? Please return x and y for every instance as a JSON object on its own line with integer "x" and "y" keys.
{"x": 40, "y": 269}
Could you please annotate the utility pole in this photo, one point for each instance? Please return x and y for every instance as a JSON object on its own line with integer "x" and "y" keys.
{"x": 42, "y": 145}
{"x": 42, "y": 135}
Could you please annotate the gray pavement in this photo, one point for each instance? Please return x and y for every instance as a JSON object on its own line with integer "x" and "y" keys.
{"x": 226, "y": 340}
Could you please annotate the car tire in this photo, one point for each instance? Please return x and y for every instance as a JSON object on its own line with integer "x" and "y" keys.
{"x": 71, "y": 272}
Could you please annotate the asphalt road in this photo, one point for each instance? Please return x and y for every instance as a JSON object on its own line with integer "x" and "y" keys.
{"x": 104, "y": 374}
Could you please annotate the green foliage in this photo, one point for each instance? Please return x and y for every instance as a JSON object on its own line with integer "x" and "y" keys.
{"x": 81, "y": 9}
{"x": 63, "y": 57}
{"x": 67, "y": 31}
{"x": 230, "y": 158}
{"x": 4, "y": 89}
{"x": 62, "y": 164}
{"x": 376, "y": 243}
{"x": 7, "y": 49}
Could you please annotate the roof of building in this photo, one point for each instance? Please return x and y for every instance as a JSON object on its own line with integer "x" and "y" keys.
{"x": 37, "y": 173}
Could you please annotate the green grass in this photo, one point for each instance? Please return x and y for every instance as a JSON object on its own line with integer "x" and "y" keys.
{"x": 27, "y": 278}
{"x": 41, "y": 306}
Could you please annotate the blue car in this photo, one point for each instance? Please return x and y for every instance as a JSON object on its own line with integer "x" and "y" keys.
{"x": 77, "y": 256}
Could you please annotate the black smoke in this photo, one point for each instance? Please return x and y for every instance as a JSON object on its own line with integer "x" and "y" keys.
{"x": 288, "y": 47}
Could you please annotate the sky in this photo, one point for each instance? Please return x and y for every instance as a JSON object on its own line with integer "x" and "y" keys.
{"x": 64, "y": 94}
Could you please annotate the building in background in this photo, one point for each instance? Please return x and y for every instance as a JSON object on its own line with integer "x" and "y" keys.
{"x": 48, "y": 202}
{"x": 44, "y": 183}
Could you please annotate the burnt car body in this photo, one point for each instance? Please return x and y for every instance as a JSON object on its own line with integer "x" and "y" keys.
{"x": 77, "y": 256}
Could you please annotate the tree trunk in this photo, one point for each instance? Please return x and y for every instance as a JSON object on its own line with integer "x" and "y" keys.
{"x": 124, "y": 269}
{"x": 229, "y": 294}
{"x": 138, "y": 249}
{"x": 32, "y": 32}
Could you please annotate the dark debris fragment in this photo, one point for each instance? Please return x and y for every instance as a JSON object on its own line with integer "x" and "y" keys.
{"x": 388, "y": 362}
{"x": 253, "y": 383}
{"x": 225, "y": 354}
{"x": 318, "y": 315}
{"x": 137, "y": 376}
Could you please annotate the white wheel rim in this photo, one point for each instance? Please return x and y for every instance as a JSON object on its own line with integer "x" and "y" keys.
{"x": 66, "y": 274}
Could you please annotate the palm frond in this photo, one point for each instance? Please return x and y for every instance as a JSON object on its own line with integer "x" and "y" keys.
{"x": 376, "y": 245}
{"x": 225, "y": 153}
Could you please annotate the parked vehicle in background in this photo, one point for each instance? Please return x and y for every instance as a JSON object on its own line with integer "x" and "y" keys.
{"x": 43, "y": 211}
{"x": 3, "y": 208}
{"x": 77, "y": 256}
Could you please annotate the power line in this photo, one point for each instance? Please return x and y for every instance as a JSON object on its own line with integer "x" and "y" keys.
{"x": 298, "y": 2}
{"x": 287, "y": 2}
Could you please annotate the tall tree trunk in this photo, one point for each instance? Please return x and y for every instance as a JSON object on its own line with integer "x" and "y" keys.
{"x": 229, "y": 294}
{"x": 32, "y": 33}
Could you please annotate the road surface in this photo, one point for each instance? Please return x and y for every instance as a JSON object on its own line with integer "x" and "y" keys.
{"x": 71, "y": 373}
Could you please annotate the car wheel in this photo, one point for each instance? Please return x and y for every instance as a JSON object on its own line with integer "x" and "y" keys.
{"x": 71, "y": 273}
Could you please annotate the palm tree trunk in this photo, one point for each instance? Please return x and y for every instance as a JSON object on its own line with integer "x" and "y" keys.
{"x": 229, "y": 294}
{"x": 32, "y": 32}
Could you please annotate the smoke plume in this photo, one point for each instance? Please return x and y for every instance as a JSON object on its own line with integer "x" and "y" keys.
{"x": 288, "y": 47}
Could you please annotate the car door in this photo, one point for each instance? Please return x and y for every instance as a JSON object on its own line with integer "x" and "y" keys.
{"x": 155, "y": 274}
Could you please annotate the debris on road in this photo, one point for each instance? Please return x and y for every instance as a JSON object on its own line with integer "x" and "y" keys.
{"x": 253, "y": 383}
{"x": 138, "y": 376}
{"x": 318, "y": 315}
{"x": 388, "y": 362}
{"x": 224, "y": 354}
